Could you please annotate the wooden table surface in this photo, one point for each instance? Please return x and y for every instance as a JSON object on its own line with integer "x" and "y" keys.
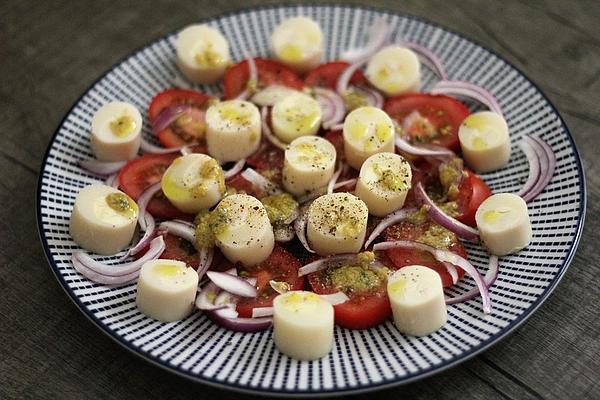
{"x": 50, "y": 52}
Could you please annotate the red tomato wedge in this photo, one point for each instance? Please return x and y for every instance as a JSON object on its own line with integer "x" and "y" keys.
{"x": 473, "y": 191}
{"x": 326, "y": 75}
{"x": 269, "y": 73}
{"x": 428, "y": 118}
{"x": 181, "y": 250}
{"x": 140, "y": 173}
{"x": 281, "y": 266}
{"x": 186, "y": 129}
{"x": 363, "y": 310}
{"x": 269, "y": 162}
{"x": 407, "y": 230}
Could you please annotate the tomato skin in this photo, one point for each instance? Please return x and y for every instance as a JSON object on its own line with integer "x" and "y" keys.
{"x": 406, "y": 230}
{"x": 168, "y": 137}
{"x": 442, "y": 112}
{"x": 362, "y": 310}
{"x": 280, "y": 266}
{"x": 327, "y": 74}
{"x": 269, "y": 72}
{"x": 268, "y": 159}
{"x": 181, "y": 250}
{"x": 479, "y": 191}
{"x": 140, "y": 173}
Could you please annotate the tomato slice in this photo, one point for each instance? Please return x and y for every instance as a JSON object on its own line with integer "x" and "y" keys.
{"x": 428, "y": 118}
{"x": 473, "y": 191}
{"x": 269, "y": 162}
{"x": 363, "y": 309}
{"x": 281, "y": 266}
{"x": 327, "y": 74}
{"x": 140, "y": 173}
{"x": 184, "y": 130}
{"x": 181, "y": 250}
{"x": 406, "y": 230}
{"x": 269, "y": 73}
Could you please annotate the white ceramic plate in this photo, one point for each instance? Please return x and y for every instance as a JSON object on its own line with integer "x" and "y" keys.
{"x": 361, "y": 360}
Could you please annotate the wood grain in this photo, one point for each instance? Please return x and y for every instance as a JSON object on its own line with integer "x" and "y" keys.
{"x": 51, "y": 52}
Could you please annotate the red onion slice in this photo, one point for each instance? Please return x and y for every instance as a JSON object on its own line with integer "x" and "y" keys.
{"x": 300, "y": 227}
{"x": 115, "y": 274}
{"x": 252, "y": 77}
{"x": 260, "y": 182}
{"x": 112, "y": 180}
{"x": 428, "y": 58}
{"x": 378, "y": 35}
{"x": 332, "y": 105}
{"x": 322, "y": 263}
{"x": 344, "y": 79}
{"x": 246, "y": 325}
{"x": 334, "y": 178}
{"x": 464, "y": 85}
{"x": 406, "y": 147}
{"x": 149, "y": 233}
{"x": 143, "y": 201}
{"x": 178, "y": 229}
{"x": 534, "y": 167}
{"x": 438, "y": 215}
{"x": 168, "y": 115}
{"x": 490, "y": 277}
{"x": 266, "y": 129}
{"x": 452, "y": 272}
{"x": 389, "y": 220}
{"x": 258, "y": 312}
{"x": 444, "y": 256}
{"x": 481, "y": 96}
{"x": 345, "y": 183}
{"x": 547, "y": 160}
{"x": 237, "y": 167}
{"x": 335, "y": 298}
{"x": 372, "y": 96}
{"x": 224, "y": 312}
{"x": 206, "y": 297}
{"x": 280, "y": 287}
{"x": 205, "y": 258}
{"x": 232, "y": 284}
{"x": 103, "y": 168}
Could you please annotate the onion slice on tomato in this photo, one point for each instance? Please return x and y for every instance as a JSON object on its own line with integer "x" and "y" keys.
{"x": 300, "y": 226}
{"x": 403, "y": 145}
{"x": 232, "y": 284}
{"x": 452, "y": 272}
{"x": 149, "y": 234}
{"x": 335, "y": 298}
{"x": 438, "y": 215}
{"x": 233, "y": 171}
{"x": 147, "y": 147}
{"x": 332, "y": 105}
{"x": 344, "y": 79}
{"x": 490, "y": 277}
{"x": 444, "y": 256}
{"x": 112, "y": 180}
{"x": 378, "y": 32}
{"x": 470, "y": 91}
{"x": 344, "y": 183}
{"x": 183, "y": 231}
{"x": 266, "y": 130}
{"x": 323, "y": 262}
{"x": 168, "y": 115}
{"x": 115, "y": 274}
{"x": 206, "y": 297}
{"x": 389, "y": 220}
{"x": 252, "y": 77}
{"x": 143, "y": 201}
{"x": 280, "y": 287}
{"x": 334, "y": 178}
{"x": 260, "y": 182}
{"x": 103, "y": 168}
{"x": 372, "y": 97}
{"x": 428, "y": 57}
{"x": 205, "y": 258}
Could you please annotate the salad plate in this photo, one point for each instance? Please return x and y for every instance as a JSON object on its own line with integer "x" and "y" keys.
{"x": 361, "y": 360}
